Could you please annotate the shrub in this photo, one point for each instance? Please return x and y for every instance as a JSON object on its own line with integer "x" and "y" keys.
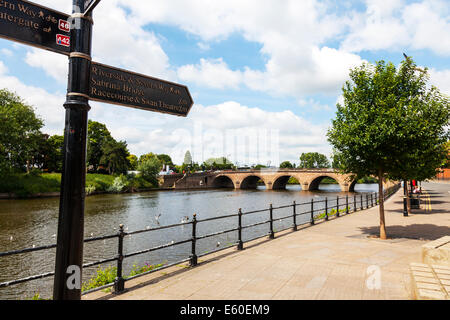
{"x": 103, "y": 277}
{"x": 120, "y": 184}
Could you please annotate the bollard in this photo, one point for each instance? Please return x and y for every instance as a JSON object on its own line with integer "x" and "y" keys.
{"x": 346, "y": 204}
{"x": 193, "y": 258}
{"x": 337, "y": 206}
{"x": 294, "y": 216}
{"x": 405, "y": 207}
{"x": 240, "y": 245}
{"x": 119, "y": 282}
{"x": 271, "y": 234}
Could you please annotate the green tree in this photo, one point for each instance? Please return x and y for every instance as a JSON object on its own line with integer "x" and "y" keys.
{"x": 147, "y": 156}
{"x": 165, "y": 159}
{"x": 54, "y": 159}
{"x": 446, "y": 162}
{"x": 386, "y": 117}
{"x": 336, "y": 160}
{"x": 133, "y": 160}
{"x": 286, "y": 165}
{"x": 259, "y": 166}
{"x": 221, "y": 163}
{"x": 312, "y": 160}
{"x": 19, "y": 132}
{"x": 48, "y": 155}
{"x": 149, "y": 169}
{"x": 98, "y": 137}
{"x": 115, "y": 157}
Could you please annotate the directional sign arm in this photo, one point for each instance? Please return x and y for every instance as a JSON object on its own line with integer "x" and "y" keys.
{"x": 89, "y": 5}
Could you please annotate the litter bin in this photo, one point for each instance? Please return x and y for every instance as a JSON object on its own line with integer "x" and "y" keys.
{"x": 414, "y": 200}
{"x": 415, "y": 203}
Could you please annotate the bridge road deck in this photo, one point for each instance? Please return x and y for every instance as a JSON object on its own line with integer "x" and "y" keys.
{"x": 330, "y": 260}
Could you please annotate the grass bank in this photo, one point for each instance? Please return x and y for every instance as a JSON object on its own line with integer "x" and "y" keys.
{"x": 25, "y": 185}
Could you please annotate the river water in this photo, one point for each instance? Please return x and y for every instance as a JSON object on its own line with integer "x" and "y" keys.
{"x": 28, "y": 223}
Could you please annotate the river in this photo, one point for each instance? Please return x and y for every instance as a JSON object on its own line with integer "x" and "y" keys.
{"x": 33, "y": 222}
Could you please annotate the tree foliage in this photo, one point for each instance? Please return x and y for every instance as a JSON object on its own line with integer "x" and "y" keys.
{"x": 98, "y": 137}
{"x": 313, "y": 160}
{"x": 286, "y": 165}
{"x": 133, "y": 160}
{"x": 221, "y": 163}
{"x": 19, "y": 132}
{"x": 165, "y": 159}
{"x": 149, "y": 168}
{"x": 115, "y": 157}
{"x": 391, "y": 124}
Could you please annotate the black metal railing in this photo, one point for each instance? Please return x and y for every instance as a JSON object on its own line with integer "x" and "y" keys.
{"x": 315, "y": 214}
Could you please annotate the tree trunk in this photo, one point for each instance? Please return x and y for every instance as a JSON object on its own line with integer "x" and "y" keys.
{"x": 408, "y": 200}
{"x": 381, "y": 198}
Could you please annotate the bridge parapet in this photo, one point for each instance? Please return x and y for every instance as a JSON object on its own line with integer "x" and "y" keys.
{"x": 309, "y": 179}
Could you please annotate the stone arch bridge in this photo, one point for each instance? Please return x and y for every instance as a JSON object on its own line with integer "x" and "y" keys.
{"x": 249, "y": 179}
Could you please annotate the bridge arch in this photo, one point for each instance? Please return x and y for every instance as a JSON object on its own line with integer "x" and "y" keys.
{"x": 251, "y": 182}
{"x": 222, "y": 181}
{"x": 280, "y": 182}
{"x": 315, "y": 182}
{"x": 352, "y": 185}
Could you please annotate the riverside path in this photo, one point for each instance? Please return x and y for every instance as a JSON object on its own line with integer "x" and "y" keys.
{"x": 338, "y": 259}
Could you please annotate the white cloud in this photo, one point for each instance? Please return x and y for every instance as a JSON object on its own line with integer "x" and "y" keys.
{"x": 441, "y": 79}
{"x": 396, "y": 25}
{"x": 6, "y": 52}
{"x": 249, "y": 135}
{"x": 47, "y": 105}
{"x": 118, "y": 40}
{"x": 212, "y": 73}
{"x": 55, "y": 65}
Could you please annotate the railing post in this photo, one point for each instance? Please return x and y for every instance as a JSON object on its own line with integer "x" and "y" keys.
{"x": 346, "y": 204}
{"x": 119, "y": 282}
{"x": 312, "y": 211}
{"x": 354, "y": 203}
{"x": 362, "y": 202}
{"x": 326, "y": 209}
{"x": 337, "y": 206}
{"x": 193, "y": 258}
{"x": 272, "y": 234}
{"x": 367, "y": 201}
{"x": 240, "y": 245}
{"x": 294, "y": 216}
{"x": 371, "y": 199}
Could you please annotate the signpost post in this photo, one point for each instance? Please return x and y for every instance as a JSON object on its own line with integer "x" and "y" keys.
{"x": 38, "y": 26}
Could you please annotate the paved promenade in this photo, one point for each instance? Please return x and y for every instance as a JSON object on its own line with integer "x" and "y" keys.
{"x": 338, "y": 259}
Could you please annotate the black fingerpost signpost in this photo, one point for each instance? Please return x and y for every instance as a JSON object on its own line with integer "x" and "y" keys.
{"x": 38, "y": 26}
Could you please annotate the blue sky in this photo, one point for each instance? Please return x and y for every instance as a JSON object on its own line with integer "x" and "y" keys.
{"x": 262, "y": 73}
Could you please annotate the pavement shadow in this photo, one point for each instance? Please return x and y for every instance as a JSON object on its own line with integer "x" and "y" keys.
{"x": 417, "y": 211}
{"x": 413, "y": 231}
